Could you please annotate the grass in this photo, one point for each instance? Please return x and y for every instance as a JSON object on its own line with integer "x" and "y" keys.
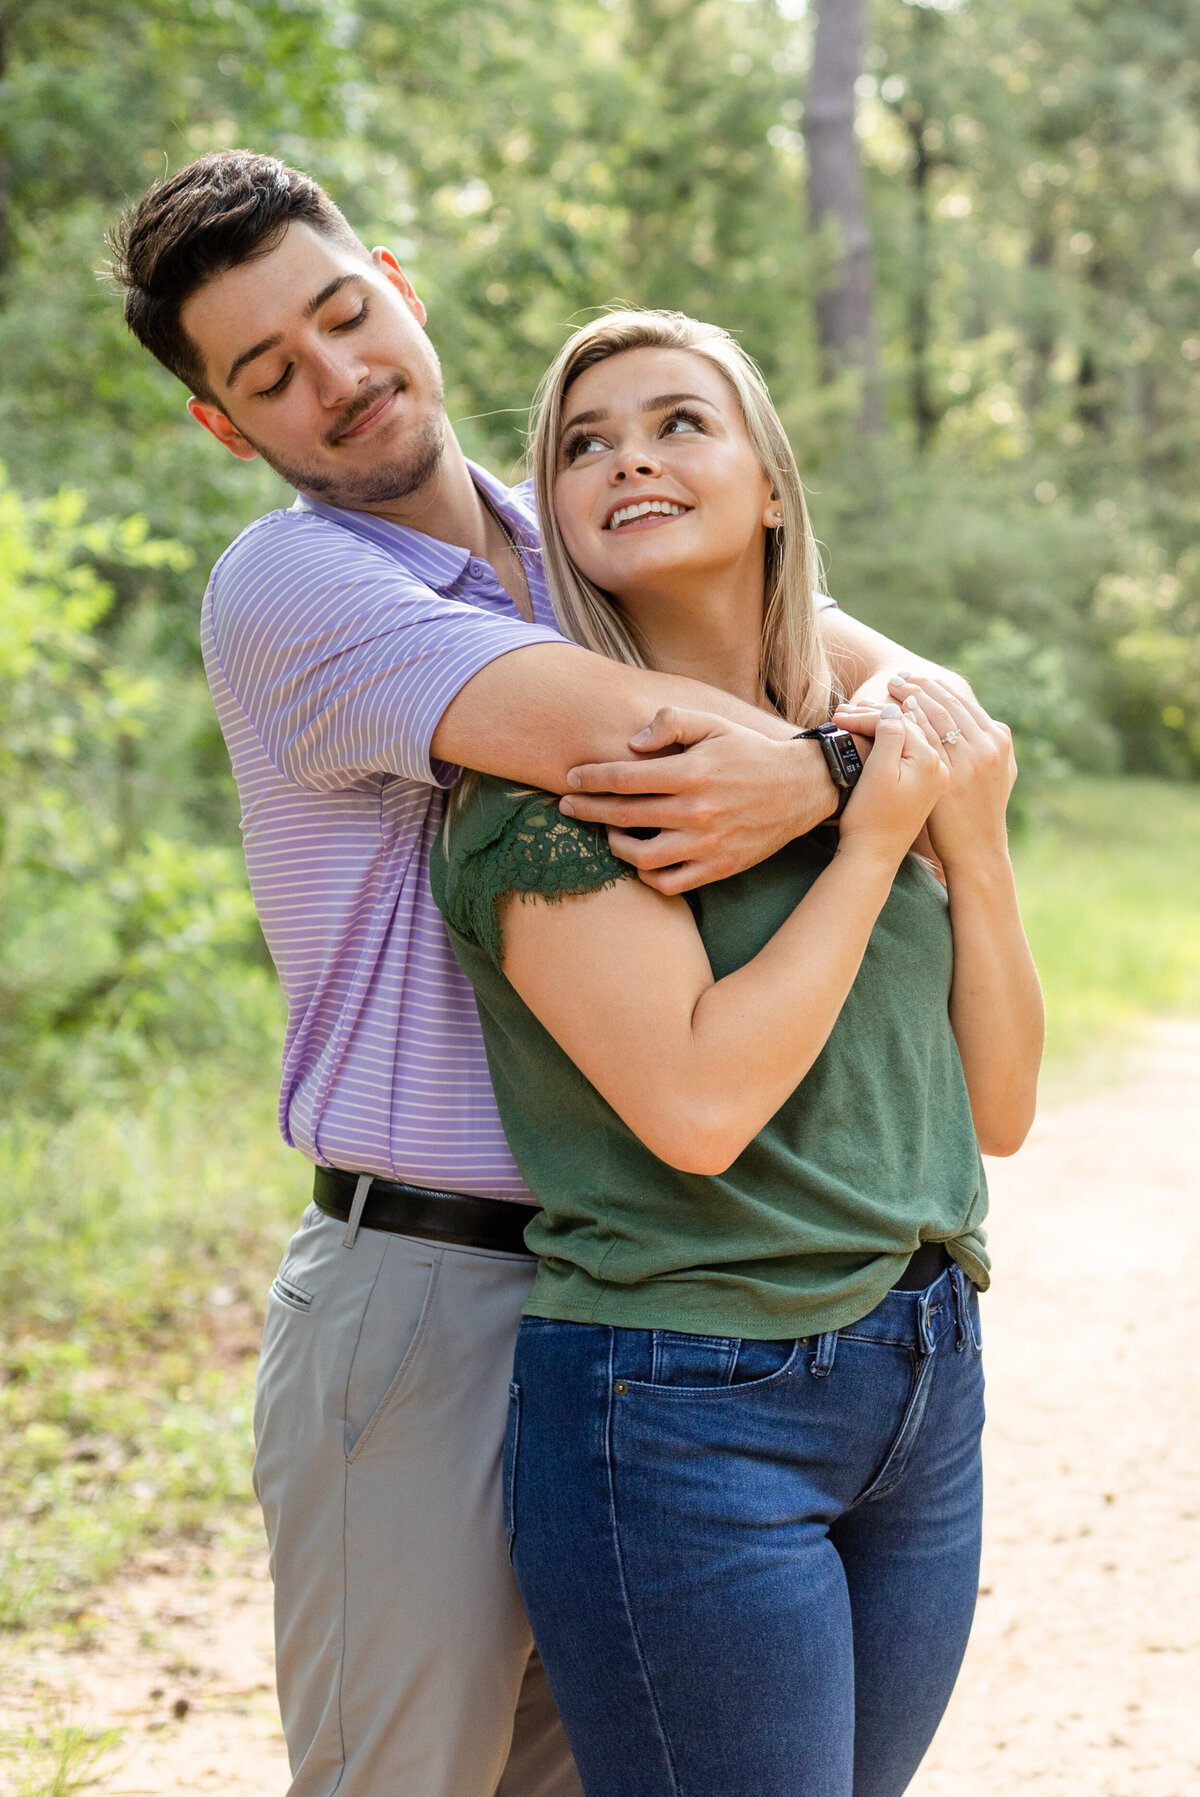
{"x": 59, "y": 1758}
{"x": 1109, "y": 875}
{"x": 140, "y": 1235}
{"x": 139, "y": 1242}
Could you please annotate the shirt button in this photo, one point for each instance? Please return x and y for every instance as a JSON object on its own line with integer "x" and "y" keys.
{"x": 476, "y": 569}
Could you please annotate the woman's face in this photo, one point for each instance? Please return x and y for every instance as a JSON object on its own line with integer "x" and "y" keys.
{"x": 657, "y": 477}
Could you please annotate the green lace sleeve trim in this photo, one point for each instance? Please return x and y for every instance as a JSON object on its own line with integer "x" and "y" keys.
{"x": 534, "y": 851}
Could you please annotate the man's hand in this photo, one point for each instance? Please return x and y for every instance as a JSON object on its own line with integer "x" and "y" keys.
{"x": 722, "y": 798}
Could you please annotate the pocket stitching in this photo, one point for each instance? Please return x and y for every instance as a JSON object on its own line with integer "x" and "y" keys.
{"x": 400, "y": 1376}
{"x": 294, "y": 1296}
{"x": 717, "y": 1391}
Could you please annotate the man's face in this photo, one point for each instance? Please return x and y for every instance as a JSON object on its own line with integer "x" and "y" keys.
{"x": 318, "y": 362}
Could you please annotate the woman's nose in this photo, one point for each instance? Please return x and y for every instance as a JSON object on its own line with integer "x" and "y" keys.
{"x": 636, "y": 460}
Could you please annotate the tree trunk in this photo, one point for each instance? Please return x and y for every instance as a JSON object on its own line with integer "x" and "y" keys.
{"x": 924, "y": 411}
{"x": 5, "y": 168}
{"x": 845, "y": 307}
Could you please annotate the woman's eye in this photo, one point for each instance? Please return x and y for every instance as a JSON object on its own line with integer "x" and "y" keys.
{"x": 686, "y": 421}
{"x": 581, "y": 445}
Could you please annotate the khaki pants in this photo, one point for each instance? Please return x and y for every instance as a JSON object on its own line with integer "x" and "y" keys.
{"x": 404, "y": 1660}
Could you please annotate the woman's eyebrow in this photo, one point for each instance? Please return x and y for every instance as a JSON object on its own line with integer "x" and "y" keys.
{"x": 658, "y": 404}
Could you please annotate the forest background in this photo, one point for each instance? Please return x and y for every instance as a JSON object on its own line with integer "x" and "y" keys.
{"x": 964, "y": 244}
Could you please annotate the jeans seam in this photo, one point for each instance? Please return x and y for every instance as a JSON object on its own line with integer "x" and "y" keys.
{"x": 610, "y": 1457}
{"x": 905, "y": 1440}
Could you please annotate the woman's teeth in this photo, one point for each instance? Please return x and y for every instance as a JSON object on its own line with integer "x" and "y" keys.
{"x": 642, "y": 509}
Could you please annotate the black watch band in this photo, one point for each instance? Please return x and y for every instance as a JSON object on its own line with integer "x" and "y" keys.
{"x": 841, "y": 758}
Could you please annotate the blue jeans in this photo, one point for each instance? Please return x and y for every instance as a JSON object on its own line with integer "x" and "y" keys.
{"x": 750, "y": 1566}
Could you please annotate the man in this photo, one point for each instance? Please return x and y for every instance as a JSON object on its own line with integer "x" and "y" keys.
{"x": 393, "y": 626}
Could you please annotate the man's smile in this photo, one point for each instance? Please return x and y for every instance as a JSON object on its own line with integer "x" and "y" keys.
{"x": 367, "y": 413}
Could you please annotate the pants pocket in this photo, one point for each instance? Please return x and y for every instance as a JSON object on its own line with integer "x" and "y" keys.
{"x": 512, "y": 1438}
{"x": 395, "y": 1322}
{"x": 286, "y": 1291}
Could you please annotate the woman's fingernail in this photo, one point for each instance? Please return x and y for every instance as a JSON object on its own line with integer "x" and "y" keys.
{"x": 566, "y": 807}
{"x": 910, "y": 704}
{"x": 898, "y": 680}
{"x": 642, "y": 735}
{"x": 890, "y": 711}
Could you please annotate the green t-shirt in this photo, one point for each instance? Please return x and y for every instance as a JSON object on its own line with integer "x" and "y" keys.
{"x": 873, "y": 1153}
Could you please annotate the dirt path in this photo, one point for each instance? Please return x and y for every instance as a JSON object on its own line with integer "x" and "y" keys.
{"x": 1084, "y": 1668}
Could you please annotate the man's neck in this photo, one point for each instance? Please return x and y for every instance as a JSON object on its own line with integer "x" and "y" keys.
{"x": 448, "y": 507}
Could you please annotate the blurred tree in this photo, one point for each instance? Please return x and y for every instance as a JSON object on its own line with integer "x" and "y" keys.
{"x": 845, "y": 303}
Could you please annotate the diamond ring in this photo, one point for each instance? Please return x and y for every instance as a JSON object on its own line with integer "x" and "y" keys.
{"x": 951, "y": 737}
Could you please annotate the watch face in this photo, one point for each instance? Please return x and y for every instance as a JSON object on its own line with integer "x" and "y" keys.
{"x": 850, "y": 758}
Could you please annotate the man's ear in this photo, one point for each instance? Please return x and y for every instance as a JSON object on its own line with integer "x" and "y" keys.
{"x": 391, "y": 271}
{"x": 214, "y": 420}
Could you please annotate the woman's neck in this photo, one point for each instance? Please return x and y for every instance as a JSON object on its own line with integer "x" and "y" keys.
{"x": 710, "y": 629}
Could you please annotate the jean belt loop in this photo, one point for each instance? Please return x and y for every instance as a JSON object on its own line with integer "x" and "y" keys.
{"x": 356, "y": 1209}
{"x": 822, "y": 1364}
{"x": 925, "y": 1335}
{"x": 961, "y": 1299}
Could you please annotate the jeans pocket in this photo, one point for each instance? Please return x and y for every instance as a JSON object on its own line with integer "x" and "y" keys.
{"x": 508, "y": 1472}
{"x": 762, "y": 1360}
{"x": 711, "y": 1364}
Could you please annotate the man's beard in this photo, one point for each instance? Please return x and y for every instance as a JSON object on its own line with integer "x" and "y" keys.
{"x": 390, "y": 479}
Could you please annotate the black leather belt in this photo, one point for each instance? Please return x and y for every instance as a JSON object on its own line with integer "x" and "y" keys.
{"x": 927, "y": 1264}
{"x": 456, "y": 1217}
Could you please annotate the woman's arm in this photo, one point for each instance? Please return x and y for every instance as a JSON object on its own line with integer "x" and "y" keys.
{"x": 696, "y": 1066}
{"x": 995, "y": 1000}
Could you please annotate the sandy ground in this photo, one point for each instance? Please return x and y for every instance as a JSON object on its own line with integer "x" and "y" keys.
{"x": 1083, "y": 1677}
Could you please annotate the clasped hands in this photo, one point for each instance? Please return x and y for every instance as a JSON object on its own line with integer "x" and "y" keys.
{"x": 720, "y": 797}
{"x": 968, "y": 821}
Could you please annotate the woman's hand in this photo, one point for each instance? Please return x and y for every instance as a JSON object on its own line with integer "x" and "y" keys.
{"x": 968, "y": 821}
{"x": 900, "y": 785}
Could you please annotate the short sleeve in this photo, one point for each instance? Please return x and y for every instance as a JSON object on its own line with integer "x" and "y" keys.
{"x": 342, "y": 661}
{"x": 499, "y": 840}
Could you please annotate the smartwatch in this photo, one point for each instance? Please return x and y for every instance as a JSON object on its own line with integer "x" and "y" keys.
{"x": 841, "y": 758}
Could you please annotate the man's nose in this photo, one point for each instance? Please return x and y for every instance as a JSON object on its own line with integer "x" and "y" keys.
{"x": 338, "y": 376}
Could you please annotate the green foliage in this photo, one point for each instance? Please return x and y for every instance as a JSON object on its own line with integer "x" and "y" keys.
{"x": 111, "y": 931}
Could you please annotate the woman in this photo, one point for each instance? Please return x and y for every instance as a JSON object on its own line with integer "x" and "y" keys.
{"x": 742, "y": 1467}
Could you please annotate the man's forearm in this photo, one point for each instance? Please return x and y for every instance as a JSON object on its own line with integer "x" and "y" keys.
{"x": 535, "y": 713}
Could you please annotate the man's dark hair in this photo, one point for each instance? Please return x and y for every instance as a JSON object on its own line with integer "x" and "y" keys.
{"x": 218, "y": 212}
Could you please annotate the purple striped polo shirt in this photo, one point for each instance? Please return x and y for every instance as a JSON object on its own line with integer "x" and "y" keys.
{"x": 333, "y": 642}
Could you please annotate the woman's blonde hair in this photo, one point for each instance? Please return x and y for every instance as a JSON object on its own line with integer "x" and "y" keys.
{"x": 794, "y": 671}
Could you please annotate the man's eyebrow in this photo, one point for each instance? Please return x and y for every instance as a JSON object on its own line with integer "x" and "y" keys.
{"x": 335, "y": 286}
{"x": 658, "y": 404}
{"x": 251, "y": 355}
{"x": 314, "y": 306}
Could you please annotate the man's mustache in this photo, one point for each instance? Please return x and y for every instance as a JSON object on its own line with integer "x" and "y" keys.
{"x": 357, "y": 407}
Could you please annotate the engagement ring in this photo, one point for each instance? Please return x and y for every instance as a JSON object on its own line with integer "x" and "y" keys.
{"x": 951, "y": 737}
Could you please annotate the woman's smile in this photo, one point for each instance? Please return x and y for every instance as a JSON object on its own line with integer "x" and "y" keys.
{"x": 641, "y": 514}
